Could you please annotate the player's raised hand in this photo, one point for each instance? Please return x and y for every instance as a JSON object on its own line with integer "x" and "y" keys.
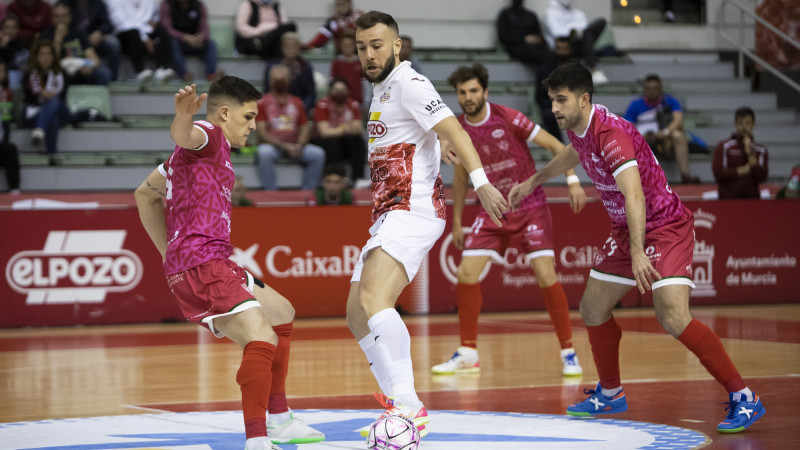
{"x": 519, "y": 192}
{"x": 643, "y": 271}
{"x": 187, "y": 102}
{"x": 577, "y": 197}
{"x": 493, "y": 202}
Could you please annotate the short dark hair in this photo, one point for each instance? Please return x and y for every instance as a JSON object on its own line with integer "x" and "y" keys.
{"x": 463, "y": 74}
{"x": 574, "y": 76}
{"x": 372, "y": 18}
{"x": 338, "y": 80}
{"x": 335, "y": 169}
{"x": 231, "y": 88}
{"x": 744, "y": 111}
{"x": 652, "y": 77}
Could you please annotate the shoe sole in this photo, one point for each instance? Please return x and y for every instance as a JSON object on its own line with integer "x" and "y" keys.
{"x": 419, "y": 422}
{"x": 573, "y": 374}
{"x": 297, "y": 441}
{"x": 741, "y": 428}
{"x": 588, "y": 414}
{"x": 457, "y": 371}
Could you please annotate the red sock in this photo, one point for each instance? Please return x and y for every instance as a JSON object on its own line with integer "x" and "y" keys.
{"x": 254, "y": 378}
{"x": 557, "y": 306}
{"x": 469, "y": 300}
{"x": 280, "y": 368}
{"x": 605, "y": 350}
{"x": 705, "y": 344}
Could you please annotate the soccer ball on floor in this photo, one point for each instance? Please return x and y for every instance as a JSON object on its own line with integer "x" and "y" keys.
{"x": 393, "y": 433}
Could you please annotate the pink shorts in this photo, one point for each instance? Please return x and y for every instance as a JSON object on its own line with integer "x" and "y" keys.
{"x": 213, "y": 289}
{"x": 670, "y": 249}
{"x": 533, "y": 225}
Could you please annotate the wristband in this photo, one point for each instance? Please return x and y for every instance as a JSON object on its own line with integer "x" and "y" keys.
{"x": 478, "y": 177}
{"x": 573, "y": 179}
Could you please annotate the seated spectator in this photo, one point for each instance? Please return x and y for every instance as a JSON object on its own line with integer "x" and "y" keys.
{"x": 9, "y": 154}
{"x": 520, "y": 33}
{"x": 347, "y": 66}
{"x": 340, "y": 130}
{"x": 78, "y": 58}
{"x": 45, "y": 110}
{"x": 283, "y": 131}
{"x": 563, "y": 20}
{"x": 34, "y": 16}
{"x": 739, "y": 162}
{"x": 333, "y": 190}
{"x": 259, "y": 27}
{"x": 13, "y": 51}
{"x": 91, "y": 16}
{"x": 341, "y": 23}
{"x": 301, "y": 73}
{"x": 407, "y": 53}
{"x": 186, "y": 21}
{"x": 3, "y": 7}
{"x": 138, "y": 30}
{"x": 239, "y": 193}
{"x": 659, "y": 118}
{"x": 792, "y": 187}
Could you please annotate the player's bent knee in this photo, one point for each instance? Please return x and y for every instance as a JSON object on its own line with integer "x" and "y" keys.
{"x": 467, "y": 275}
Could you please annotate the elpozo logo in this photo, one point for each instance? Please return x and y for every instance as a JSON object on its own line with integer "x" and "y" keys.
{"x": 75, "y": 267}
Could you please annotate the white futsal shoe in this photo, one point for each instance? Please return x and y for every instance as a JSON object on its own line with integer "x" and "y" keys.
{"x": 464, "y": 360}
{"x": 572, "y": 368}
{"x": 260, "y": 444}
{"x": 295, "y": 431}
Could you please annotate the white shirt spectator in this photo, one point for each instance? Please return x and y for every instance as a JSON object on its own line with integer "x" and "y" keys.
{"x": 560, "y": 19}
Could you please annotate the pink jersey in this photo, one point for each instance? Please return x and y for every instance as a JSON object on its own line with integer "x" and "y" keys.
{"x": 501, "y": 141}
{"x": 609, "y": 145}
{"x": 199, "y": 184}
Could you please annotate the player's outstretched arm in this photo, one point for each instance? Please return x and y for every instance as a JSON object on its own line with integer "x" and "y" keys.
{"x": 492, "y": 200}
{"x": 564, "y": 160}
{"x": 182, "y": 131}
{"x": 630, "y": 184}
{"x": 576, "y": 194}
{"x": 149, "y": 197}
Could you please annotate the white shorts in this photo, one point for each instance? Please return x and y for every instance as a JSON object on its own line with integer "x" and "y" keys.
{"x": 405, "y": 235}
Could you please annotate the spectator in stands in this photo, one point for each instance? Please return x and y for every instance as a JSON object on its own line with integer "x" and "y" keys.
{"x": 520, "y": 33}
{"x": 339, "y": 128}
{"x": 407, "y": 53}
{"x": 137, "y": 27}
{"x": 333, "y": 190}
{"x": 45, "y": 110}
{"x": 659, "y": 118}
{"x": 9, "y": 154}
{"x": 91, "y": 16}
{"x": 301, "y": 73}
{"x": 792, "y": 187}
{"x": 739, "y": 162}
{"x": 239, "y": 193}
{"x": 284, "y": 131}
{"x": 347, "y": 66}
{"x": 259, "y": 27}
{"x": 3, "y": 7}
{"x": 341, "y": 23}
{"x": 186, "y": 21}
{"x": 78, "y": 58}
{"x": 563, "y": 20}
{"x": 13, "y": 50}
{"x": 34, "y": 17}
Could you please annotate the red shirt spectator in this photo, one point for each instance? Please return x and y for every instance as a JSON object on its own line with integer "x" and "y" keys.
{"x": 34, "y": 16}
{"x": 338, "y": 25}
{"x": 283, "y": 119}
{"x": 347, "y": 66}
{"x": 337, "y": 114}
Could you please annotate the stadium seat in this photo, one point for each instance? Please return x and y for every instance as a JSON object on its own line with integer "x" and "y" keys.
{"x": 222, "y": 34}
{"x": 82, "y": 96}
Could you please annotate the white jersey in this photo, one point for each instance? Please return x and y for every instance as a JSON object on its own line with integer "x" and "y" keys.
{"x": 404, "y": 153}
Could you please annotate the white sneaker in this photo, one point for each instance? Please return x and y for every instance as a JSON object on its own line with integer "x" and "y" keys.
{"x": 572, "y": 368}
{"x": 164, "y": 75}
{"x": 598, "y": 77}
{"x": 144, "y": 76}
{"x": 295, "y": 431}
{"x": 464, "y": 360}
{"x": 260, "y": 444}
{"x": 418, "y": 414}
{"x": 37, "y": 136}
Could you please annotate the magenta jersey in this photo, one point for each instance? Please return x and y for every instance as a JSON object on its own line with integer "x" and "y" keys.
{"x": 611, "y": 144}
{"x": 501, "y": 141}
{"x": 199, "y": 184}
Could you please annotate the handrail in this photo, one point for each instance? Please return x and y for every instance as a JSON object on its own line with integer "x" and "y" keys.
{"x": 745, "y": 51}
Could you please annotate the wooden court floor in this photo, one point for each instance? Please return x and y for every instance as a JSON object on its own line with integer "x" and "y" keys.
{"x": 54, "y": 373}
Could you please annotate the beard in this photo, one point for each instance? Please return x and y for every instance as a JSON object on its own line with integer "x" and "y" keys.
{"x": 475, "y": 108}
{"x": 387, "y": 69}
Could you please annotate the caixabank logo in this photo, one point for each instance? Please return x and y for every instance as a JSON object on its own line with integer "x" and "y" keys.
{"x": 451, "y": 430}
{"x": 75, "y": 266}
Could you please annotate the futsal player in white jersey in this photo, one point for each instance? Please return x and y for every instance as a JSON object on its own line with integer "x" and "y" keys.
{"x": 406, "y": 115}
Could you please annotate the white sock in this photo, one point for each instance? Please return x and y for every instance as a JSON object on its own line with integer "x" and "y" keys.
{"x": 379, "y": 361}
{"x": 390, "y": 331}
{"x": 280, "y": 418}
{"x": 256, "y": 443}
{"x": 747, "y": 393}
{"x": 610, "y": 392}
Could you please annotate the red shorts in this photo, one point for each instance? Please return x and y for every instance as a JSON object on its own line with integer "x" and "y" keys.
{"x": 213, "y": 289}
{"x": 533, "y": 225}
{"x": 670, "y": 249}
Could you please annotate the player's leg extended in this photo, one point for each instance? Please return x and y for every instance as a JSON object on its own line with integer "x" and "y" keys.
{"x": 377, "y": 356}
{"x": 597, "y": 303}
{"x": 282, "y": 426}
{"x": 469, "y": 300}
{"x": 555, "y": 300}
{"x": 671, "y": 303}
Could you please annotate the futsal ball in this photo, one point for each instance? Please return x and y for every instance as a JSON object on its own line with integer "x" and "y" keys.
{"x": 393, "y": 433}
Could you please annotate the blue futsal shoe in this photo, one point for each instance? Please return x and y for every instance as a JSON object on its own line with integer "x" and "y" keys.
{"x": 597, "y": 403}
{"x": 741, "y": 413}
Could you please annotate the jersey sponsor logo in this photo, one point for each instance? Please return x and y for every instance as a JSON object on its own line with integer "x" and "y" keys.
{"x": 498, "y": 133}
{"x": 386, "y": 95}
{"x": 75, "y": 267}
{"x": 375, "y": 128}
{"x": 435, "y": 106}
{"x": 206, "y": 124}
{"x": 595, "y": 158}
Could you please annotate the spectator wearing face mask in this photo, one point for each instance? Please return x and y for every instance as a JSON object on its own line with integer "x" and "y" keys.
{"x": 301, "y": 73}
{"x": 339, "y": 128}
